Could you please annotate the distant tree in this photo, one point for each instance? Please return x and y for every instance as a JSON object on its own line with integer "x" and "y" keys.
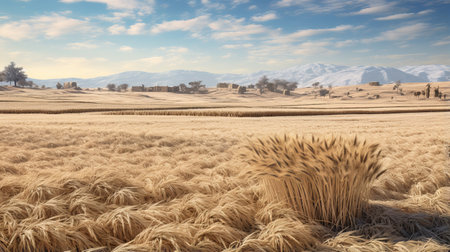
{"x": 2, "y": 76}
{"x": 316, "y": 84}
{"x": 280, "y": 84}
{"x": 397, "y": 85}
{"x": 25, "y": 83}
{"x": 123, "y": 87}
{"x": 111, "y": 87}
{"x": 262, "y": 83}
{"x": 251, "y": 86}
{"x": 324, "y": 92}
{"x": 43, "y": 86}
{"x": 14, "y": 73}
{"x": 196, "y": 85}
{"x": 292, "y": 86}
{"x": 59, "y": 85}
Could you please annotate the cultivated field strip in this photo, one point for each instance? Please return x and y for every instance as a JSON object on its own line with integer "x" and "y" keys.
{"x": 273, "y": 113}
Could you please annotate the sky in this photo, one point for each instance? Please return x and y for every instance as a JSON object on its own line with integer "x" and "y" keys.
{"x": 90, "y": 38}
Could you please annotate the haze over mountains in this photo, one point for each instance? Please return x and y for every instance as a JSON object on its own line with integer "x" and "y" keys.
{"x": 305, "y": 75}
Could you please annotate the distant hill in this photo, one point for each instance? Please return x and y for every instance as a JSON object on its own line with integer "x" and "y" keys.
{"x": 305, "y": 75}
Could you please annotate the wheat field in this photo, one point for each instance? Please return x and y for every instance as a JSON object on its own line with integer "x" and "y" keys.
{"x": 110, "y": 182}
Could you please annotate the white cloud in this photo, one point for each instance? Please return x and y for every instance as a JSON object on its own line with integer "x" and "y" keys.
{"x": 444, "y": 41}
{"x": 126, "y": 49}
{"x": 117, "y": 29}
{"x": 238, "y": 2}
{"x": 212, "y": 5}
{"x": 396, "y": 16}
{"x": 403, "y": 33}
{"x": 193, "y": 25}
{"x": 424, "y": 12}
{"x": 237, "y": 46}
{"x": 49, "y": 26}
{"x": 344, "y": 43}
{"x": 265, "y": 17}
{"x": 404, "y": 15}
{"x": 227, "y": 56}
{"x": 312, "y": 48}
{"x": 253, "y": 7}
{"x": 81, "y": 45}
{"x": 136, "y": 29}
{"x": 142, "y": 6}
{"x": 4, "y": 17}
{"x": 230, "y": 28}
{"x": 379, "y": 8}
{"x": 151, "y": 60}
{"x": 117, "y": 16}
{"x": 289, "y": 38}
{"x": 321, "y": 6}
{"x": 174, "y": 49}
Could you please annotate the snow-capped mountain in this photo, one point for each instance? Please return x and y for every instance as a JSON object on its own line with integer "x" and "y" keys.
{"x": 305, "y": 75}
{"x": 363, "y": 74}
{"x": 430, "y": 72}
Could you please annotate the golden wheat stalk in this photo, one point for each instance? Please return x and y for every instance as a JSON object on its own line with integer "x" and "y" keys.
{"x": 323, "y": 179}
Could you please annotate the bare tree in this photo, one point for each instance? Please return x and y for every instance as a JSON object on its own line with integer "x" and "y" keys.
{"x": 14, "y": 73}
{"x": 315, "y": 84}
{"x": 59, "y": 85}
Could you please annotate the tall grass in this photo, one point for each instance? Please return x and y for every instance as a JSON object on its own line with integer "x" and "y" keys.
{"x": 324, "y": 179}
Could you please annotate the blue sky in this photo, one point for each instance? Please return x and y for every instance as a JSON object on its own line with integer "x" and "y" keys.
{"x": 88, "y": 38}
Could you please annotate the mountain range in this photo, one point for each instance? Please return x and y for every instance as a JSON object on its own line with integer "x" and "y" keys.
{"x": 305, "y": 75}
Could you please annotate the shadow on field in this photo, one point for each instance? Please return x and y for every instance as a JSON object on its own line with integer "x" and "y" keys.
{"x": 394, "y": 225}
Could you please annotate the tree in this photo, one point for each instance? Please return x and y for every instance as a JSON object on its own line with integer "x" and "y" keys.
{"x": 397, "y": 85}
{"x": 59, "y": 85}
{"x": 14, "y": 73}
{"x": 122, "y": 87}
{"x": 2, "y": 77}
{"x": 262, "y": 83}
{"x": 196, "y": 85}
{"x": 111, "y": 87}
{"x": 292, "y": 86}
{"x": 315, "y": 84}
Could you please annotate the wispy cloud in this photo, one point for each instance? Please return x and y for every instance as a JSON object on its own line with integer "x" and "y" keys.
{"x": 289, "y": 38}
{"x": 403, "y": 33}
{"x": 49, "y": 26}
{"x": 213, "y": 5}
{"x": 230, "y": 28}
{"x": 321, "y": 6}
{"x": 444, "y": 41}
{"x": 237, "y": 46}
{"x": 126, "y": 49}
{"x": 82, "y": 45}
{"x": 404, "y": 15}
{"x": 174, "y": 49}
{"x": 193, "y": 24}
{"x": 378, "y": 8}
{"x": 265, "y": 17}
{"x": 142, "y": 6}
{"x": 135, "y": 29}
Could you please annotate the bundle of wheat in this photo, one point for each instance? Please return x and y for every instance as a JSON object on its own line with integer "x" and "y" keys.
{"x": 325, "y": 180}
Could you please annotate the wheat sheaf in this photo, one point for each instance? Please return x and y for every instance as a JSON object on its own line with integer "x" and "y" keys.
{"x": 324, "y": 180}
